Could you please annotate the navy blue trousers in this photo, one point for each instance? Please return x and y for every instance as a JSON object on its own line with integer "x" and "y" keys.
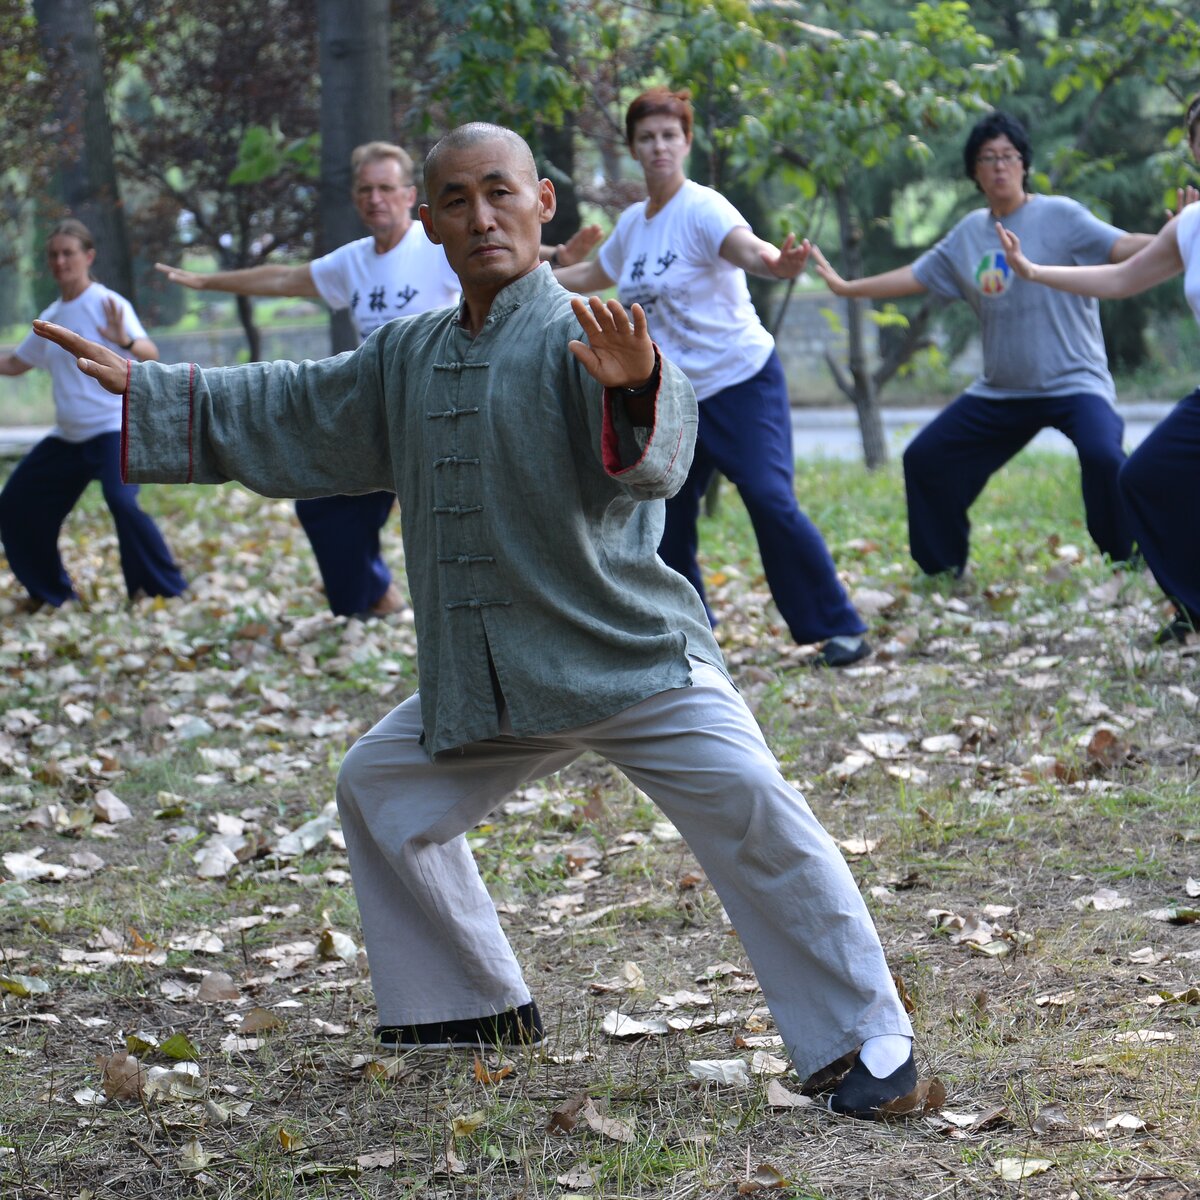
{"x": 42, "y": 490}
{"x": 344, "y": 532}
{"x": 745, "y": 432}
{"x": 1159, "y": 487}
{"x": 949, "y": 461}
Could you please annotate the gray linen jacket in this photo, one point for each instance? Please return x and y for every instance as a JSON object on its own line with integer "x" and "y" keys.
{"x": 531, "y": 507}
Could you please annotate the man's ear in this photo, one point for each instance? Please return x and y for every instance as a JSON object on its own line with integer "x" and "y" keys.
{"x": 427, "y": 220}
{"x": 547, "y": 200}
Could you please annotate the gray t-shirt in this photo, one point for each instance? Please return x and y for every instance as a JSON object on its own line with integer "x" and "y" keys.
{"x": 1036, "y": 341}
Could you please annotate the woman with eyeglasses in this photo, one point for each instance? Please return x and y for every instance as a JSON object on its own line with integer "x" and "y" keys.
{"x": 1158, "y": 483}
{"x": 1043, "y": 353}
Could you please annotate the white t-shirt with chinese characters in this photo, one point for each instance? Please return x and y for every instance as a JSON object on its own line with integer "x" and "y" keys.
{"x": 1187, "y": 234}
{"x": 412, "y": 277}
{"x": 697, "y": 305}
{"x": 82, "y": 408}
{"x": 1036, "y": 340}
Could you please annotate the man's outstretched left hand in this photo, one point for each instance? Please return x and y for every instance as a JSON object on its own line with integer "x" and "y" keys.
{"x": 617, "y": 354}
{"x": 105, "y": 366}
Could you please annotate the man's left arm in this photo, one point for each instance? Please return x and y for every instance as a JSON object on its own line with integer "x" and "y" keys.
{"x": 282, "y": 429}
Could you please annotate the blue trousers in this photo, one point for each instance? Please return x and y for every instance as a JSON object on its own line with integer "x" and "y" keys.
{"x": 344, "y": 532}
{"x": 745, "y": 432}
{"x": 1159, "y": 487}
{"x": 949, "y": 461}
{"x": 42, "y": 490}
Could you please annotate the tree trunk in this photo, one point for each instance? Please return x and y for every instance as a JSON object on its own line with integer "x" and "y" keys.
{"x": 88, "y": 176}
{"x": 860, "y": 387}
{"x": 245, "y": 312}
{"x": 355, "y": 108}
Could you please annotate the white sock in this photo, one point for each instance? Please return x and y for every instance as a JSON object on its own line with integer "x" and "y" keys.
{"x": 884, "y": 1054}
{"x": 847, "y": 642}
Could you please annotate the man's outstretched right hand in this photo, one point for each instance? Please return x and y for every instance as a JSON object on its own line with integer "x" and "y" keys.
{"x": 105, "y": 366}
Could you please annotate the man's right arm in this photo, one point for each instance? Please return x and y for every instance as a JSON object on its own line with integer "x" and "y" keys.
{"x": 271, "y": 279}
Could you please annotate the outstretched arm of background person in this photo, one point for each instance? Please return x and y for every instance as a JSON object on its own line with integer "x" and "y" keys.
{"x": 584, "y": 277}
{"x": 10, "y": 364}
{"x": 272, "y": 279}
{"x": 888, "y": 286}
{"x": 745, "y": 249}
{"x": 575, "y": 249}
{"x": 114, "y": 330}
{"x": 1158, "y": 261}
{"x": 105, "y": 366}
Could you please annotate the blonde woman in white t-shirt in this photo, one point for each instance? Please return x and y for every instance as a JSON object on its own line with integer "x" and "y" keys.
{"x": 1158, "y": 481}
{"x": 84, "y": 444}
{"x": 683, "y": 254}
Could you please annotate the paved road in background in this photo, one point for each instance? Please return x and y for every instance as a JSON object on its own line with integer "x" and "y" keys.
{"x": 818, "y": 432}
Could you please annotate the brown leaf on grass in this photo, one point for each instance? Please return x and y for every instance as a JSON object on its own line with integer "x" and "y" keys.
{"x": 394, "y": 1067}
{"x": 486, "y": 1074}
{"x": 565, "y": 1117}
{"x": 260, "y": 1020}
{"x": 375, "y": 1159}
{"x": 465, "y": 1126}
{"x": 609, "y": 1127}
{"x": 110, "y": 808}
{"x": 577, "y": 1177}
{"x": 1106, "y": 748}
{"x": 1013, "y": 1170}
{"x": 290, "y": 1142}
{"x": 779, "y": 1097}
{"x": 121, "y": 1076}
{"x": 217, "y": 988}
{"x": 928, "y": 1096}
{"x": 449, "y": 1163}
{"x": 764, "y": 1178}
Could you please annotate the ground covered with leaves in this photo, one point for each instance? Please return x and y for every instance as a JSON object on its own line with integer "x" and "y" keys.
{"x": 185, "y": 1007}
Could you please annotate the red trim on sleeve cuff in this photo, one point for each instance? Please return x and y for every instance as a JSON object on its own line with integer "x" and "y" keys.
{"x": 610, "y": 442}
{"x": 191, "y": 418}
{"x": 125, "y": 423}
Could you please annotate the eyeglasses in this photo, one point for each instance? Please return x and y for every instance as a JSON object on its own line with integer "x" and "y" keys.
{"x": 990, "y": 160}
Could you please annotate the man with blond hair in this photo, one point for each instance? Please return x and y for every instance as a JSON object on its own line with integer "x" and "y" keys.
{"x": 396, "y": 271}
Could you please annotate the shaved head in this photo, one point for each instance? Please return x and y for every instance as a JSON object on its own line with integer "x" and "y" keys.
{"x": 467, "y": 137}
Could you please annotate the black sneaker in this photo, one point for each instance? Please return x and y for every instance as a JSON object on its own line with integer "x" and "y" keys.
{"x": 520, "y": 1026}
{"x": 1177, "y": 629}
{"x": 842, "y": 652}
{"x": 861, "y": 1095}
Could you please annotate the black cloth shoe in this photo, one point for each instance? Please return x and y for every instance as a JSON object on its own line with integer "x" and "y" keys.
{"x": 1177, "y": 629}
{"x": 520, "y": 1026}
{"x": 861, "y": 1095}
{"x": 834, "y": 654}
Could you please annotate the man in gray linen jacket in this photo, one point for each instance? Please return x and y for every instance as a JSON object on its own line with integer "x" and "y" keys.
{"x": 530, "y": 466}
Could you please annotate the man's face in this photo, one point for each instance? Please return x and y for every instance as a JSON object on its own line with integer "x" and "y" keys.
{"x": 383, "y": 197}
{"x": 486, "y": 209}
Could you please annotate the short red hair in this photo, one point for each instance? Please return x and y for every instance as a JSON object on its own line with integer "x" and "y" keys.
{"x": 656, "y": 102}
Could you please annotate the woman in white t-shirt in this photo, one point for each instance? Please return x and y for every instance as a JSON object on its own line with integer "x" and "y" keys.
{"x": 85, "y": 443}
{"x": 1158, "y": 481}
{"x": 683, "y": 254}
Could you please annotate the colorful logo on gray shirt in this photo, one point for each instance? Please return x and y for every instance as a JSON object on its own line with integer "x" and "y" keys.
{"x": 993, "y": 275}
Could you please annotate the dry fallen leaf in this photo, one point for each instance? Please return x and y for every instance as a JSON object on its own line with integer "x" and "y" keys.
{"x": 260, "y": 1020}
{"x": 728, "y": 1072}
{"x": 486, "y": 1074}
{"x": 1012, "y": 1170}
{"x": 618, "y": 1025}
{"x": 122, "y": 1076}
{"x": 609, "y": 1127}
{"x": 216, "y": 988}
{"x": 764, "y": 1177}
{"x": 779, "y": 1097}
{"x": 928, "y": 1096}
{"x": 465, "y": 1126}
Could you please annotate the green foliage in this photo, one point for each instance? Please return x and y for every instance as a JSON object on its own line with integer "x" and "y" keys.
{"x": 263, "y": 153}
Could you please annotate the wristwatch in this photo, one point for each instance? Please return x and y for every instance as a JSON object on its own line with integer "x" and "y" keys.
{"x": 651, "y": 384}
{"x": 129, "y": 344}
